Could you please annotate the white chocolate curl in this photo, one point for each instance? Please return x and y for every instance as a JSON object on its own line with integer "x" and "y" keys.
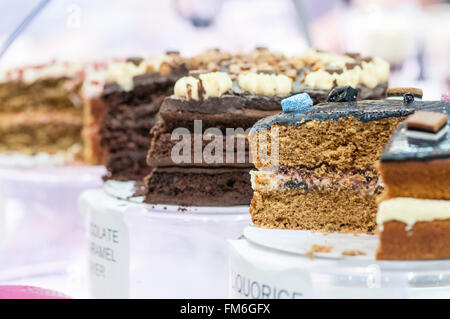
{"x": 213, "y": 84}
{"x": 267, "y": 84}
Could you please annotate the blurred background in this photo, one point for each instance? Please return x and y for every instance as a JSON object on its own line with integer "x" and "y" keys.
{"x": 413, "y": 35}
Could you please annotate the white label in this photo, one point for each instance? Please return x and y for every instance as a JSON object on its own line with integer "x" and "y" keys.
{"x": 251, "y": 277}
{"x": 108, "y": 255}
{"x": 255, "y": 287}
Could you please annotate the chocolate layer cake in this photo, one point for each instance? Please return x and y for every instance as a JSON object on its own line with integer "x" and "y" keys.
{"x": 42, "y": 109}
{"x": 132, "y": 95}
{"x": 242, "y": 90}
{"x": 245, "y": 89}
{"x": 317, "y": 170}
{"x": 414, "y": 216}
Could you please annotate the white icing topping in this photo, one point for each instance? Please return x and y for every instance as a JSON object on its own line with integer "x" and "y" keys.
{"x": 155, "y": 63}
{"x": 412, "y": 210}
{"x": 123, "y": 73}
{"x": 395, "y": 98}
{"x": 213, "y": 84}
{"x": 187, "y": 87}
{"x": 349, "y": 77}
{"x": 267, "y": 84}
{"x": 31, "y": 74}
{"x": 382, "y": 69}
{"x": 95, "y": 78}
{"x": 312, "y": 56}
{"x": 320, "y": 79}
{"x": 369, "y": 74}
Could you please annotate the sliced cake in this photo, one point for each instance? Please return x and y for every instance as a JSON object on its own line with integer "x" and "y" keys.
{"x": 414, "y": 216}
{"x": 133, "y": 94}
{"x": 244, "y": 89}
{"x": 42, "y": 109}
{"x": 317, "y": 167}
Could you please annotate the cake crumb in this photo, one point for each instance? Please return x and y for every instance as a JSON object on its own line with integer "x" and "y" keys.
{"x": 182, "y": 209}
{"x": 354, "y": 252}
{"x": 318, "y": 249}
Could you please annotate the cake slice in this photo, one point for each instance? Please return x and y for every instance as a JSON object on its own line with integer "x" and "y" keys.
{"x": 242, "y": 90}
{"x": 317, "y": 170}
{"x": 42, "y": 109}
{"x": 414, "y": 216}
{"x": 133, "y": 93}
{"x": 94, "y": 109}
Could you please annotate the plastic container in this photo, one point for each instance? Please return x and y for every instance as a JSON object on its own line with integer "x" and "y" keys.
{"x": 43, "y": 232}
{"x": 158, "y": 251}
{"x": 276, "y": 264}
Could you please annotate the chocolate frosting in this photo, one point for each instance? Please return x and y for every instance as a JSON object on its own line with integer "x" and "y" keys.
{"x": 113, "y": 94}
{"x": 364, "y": 111}
{"x": 239, "y": 99}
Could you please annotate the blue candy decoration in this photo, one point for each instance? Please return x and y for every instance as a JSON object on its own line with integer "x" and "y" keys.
{"x": 298, "y": 103}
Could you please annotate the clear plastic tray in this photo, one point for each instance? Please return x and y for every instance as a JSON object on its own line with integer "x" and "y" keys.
{"x": 42, "y": 229}
{"x": 281, "y": 260}
{"x": 160, "y": 251}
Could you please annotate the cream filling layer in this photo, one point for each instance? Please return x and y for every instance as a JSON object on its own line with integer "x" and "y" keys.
{"x": 412, "y": 210}
{"x": 269, "y": 179}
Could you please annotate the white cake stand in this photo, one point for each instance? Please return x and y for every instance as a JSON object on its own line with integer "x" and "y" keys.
{"x": 281, "y": 264}
{"x": 157, "y": 251}
{"x": 41, "y": 231}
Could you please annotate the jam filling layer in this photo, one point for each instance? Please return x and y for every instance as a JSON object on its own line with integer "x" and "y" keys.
{"x": 279, "y": 179}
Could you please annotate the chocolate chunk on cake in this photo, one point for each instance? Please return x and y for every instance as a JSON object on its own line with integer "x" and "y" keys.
{"x": 414, "y": 216}
{"x": 318, "y": 170}
{"x": 426, "y": 126}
